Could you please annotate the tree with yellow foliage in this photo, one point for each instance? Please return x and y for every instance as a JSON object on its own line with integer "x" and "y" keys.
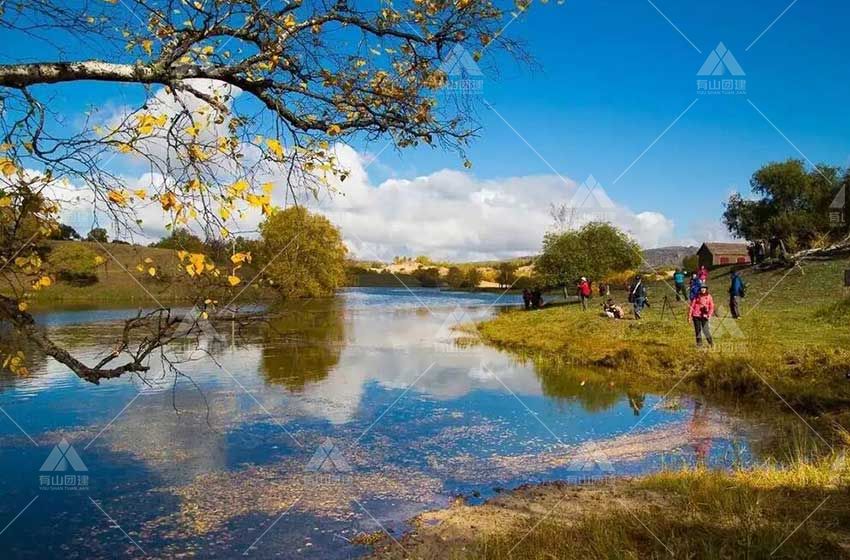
{"x": 307, "y": 74}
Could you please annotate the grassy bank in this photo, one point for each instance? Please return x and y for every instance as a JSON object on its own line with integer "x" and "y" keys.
{"x": 119, "y": 282}
{"x": 793, "y": 338}
{"x": 800, "y": 511}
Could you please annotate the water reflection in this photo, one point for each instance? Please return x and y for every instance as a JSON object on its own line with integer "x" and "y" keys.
{"x": 199, "y": 461}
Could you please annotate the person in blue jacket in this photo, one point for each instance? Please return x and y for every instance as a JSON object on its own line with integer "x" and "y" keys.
{"x": 737, "y": 290}
{"x": 696, "y": 284}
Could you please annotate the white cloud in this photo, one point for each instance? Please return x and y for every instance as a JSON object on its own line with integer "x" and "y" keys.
{"x": 455, "y": 215}
{"x": 448, "y": 214}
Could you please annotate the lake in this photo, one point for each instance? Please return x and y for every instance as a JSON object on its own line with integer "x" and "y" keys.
{"x": 337, "y": 418}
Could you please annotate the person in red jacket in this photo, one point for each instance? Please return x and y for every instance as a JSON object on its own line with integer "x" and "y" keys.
{"x": 584, "y": 291}
{"x": 702, "y": 309}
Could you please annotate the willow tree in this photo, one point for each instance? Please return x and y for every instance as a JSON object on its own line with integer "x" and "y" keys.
{"x": 226, "y": 100}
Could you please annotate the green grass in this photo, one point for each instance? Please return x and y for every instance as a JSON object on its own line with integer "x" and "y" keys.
{"x": 793, "y": 338}
{"x": 120, "y": 283}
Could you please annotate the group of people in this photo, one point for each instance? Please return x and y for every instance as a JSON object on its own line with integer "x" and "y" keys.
{"x": 702, "y": 306}
{"x": 701, "y": 303}
{"x": 532, "y": 299}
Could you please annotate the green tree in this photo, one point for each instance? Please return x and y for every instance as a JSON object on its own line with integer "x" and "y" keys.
{"x": 455, "y": 277}
{"x": 181, "y": 239}
{"x": 98, "y": 234}
{"x": 507, "y": 274}
{"x": 472, "y": 278}
{"x": 74, "y": 263}
{"x": 793, "y": 203}
{"x": 428, "y": 277}
{"x": 595, "y": 251}
{"x": 65, "y": 233}
{"x": 303, "y": 253}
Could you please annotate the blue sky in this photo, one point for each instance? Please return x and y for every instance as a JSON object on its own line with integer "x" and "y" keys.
{"x": 615, "y": 74}
{"x": 609, "y": 78}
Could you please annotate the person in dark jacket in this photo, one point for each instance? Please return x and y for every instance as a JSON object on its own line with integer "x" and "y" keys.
{"x": 737, "y": 290}
{"x": 526, "y": 298}
{"x": 637, "y": 295}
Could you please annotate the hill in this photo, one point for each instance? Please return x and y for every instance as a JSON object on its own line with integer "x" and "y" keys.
{"x": 668, "y": 256}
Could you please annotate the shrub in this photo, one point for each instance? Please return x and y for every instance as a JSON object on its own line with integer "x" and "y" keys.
{"x": 74, "y": 263}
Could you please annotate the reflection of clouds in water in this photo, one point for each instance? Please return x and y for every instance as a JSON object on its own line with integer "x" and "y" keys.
{"x": 372, "y": 356}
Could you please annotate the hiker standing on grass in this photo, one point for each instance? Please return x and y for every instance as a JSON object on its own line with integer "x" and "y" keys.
{"x": 702, "y": 309}
{"x": 637, "y": 295}
{"x": 584, "y": 292}
{"x": 695, "y": 286}
{"x": 679, "y": 281}
{"x": 737, "y": 289}
{"x": 702, "y": 274}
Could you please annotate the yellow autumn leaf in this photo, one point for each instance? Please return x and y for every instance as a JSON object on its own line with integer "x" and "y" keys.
{"x": 233, "y": 280}
{"x": 152, "y": 271}
{"x": 147, "y": 46}
{"x": 140, "y": 267}
{"x": 124, "y": 148}
{"x": 22, "y": 306}
{"x": 208, "y": 50}
{"x": 98, "y": 260}
{"x": 197, "y": 153}
{"x": 289, "y": 21}
{"x": 334, "y": 129}
{"x": 239, "y": 187}
{"x": 194, "y": 185}
{"x": 148, "y": 260}
{"x": 197, "y": 262}
{"x": 5, "y": 202}
{"x": 224, "y": 212}
{"x": 45, "y": 281}
{"x": 275, "y": 147}
{"x": 182, "y": 255}
{"x": 5, "y": 147}
{"x": 169, "y": 202}
{"x": 141, "y": 193}
{"x": 239, "y": 258}
{"x": 7, "y": 167}
{"x": 117, "y": 197}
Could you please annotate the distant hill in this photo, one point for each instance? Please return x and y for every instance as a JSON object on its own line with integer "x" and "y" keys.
{"x": 668, "y": 256}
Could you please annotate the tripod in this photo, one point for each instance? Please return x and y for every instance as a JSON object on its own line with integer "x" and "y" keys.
{"x": 666, "y": 304}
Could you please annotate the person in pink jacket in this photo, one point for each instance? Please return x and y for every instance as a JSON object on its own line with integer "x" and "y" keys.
{"x": 702, "y": 309}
